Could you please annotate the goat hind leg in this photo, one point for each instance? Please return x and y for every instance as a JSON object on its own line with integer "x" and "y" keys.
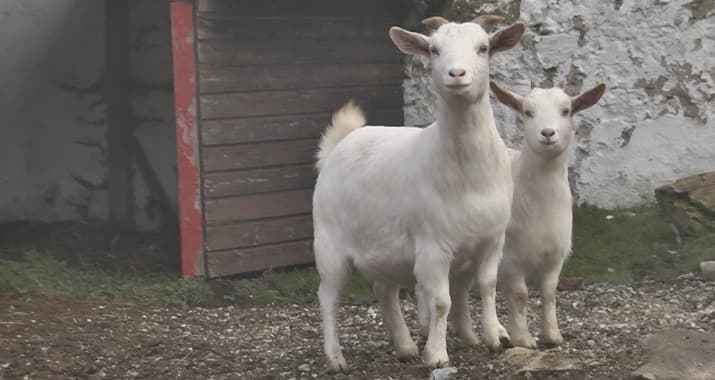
{"x": 334, "y": 273}
{"x": 388, "y": 297}
{"x": 460, "y": 284}
{"x": 423, "y": 315}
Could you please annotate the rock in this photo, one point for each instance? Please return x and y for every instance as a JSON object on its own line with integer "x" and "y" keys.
{"x": 645, "y": 376}
{"x": 443, "y": 373}
{"x": 707, "y": 268}
{"x": 549, "y": 26}
{"x": 519, "y": 355}
{"x": 570, "y": 283}
{"x": 304, "y": 368}
{"x": 533, "y": 364}
{"x": 678, "y": 354}
{"x": 689, "y": 203}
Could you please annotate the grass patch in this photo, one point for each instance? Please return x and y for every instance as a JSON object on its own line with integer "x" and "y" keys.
{"x": 298, "y": 285}
{"x": 632, "y": 244}
{"x": 37, "y": 273}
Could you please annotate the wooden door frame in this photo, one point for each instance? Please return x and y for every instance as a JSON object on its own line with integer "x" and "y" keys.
{"x": 187, "y": 138}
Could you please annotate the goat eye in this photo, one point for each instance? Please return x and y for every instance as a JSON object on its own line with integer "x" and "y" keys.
{"x": 483, "y": 49}
{"x": 528, "y": 113}
{"x": 565, "y": 112}
{"x": 434, "y": 51}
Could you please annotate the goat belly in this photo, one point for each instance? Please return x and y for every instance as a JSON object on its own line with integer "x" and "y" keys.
{"x": 390, "y": 270}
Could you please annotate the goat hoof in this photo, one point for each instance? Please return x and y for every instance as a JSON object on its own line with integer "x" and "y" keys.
{"x": 407, "y": 353}
{"x": 469, "y": 338}
{"x": 505, "y": 342}
{"x": 436, "y": 359}
{"x": 502, "y": 344}
{"x": 552, "y": 339}
{"x": 499, "y": 340}
{"x": 337, "y": 363}
{"x": 526, "y": 342}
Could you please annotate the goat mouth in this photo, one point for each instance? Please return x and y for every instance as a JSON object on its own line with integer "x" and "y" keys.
{"x": 457, "y": 86}
{"x": 548, "y": 142}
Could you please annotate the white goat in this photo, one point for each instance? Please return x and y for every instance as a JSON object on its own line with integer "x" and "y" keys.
{"x": 406, "y": 204}
{"x": 538, "y": 239}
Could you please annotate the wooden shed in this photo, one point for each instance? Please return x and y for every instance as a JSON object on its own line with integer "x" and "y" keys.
{"x": 255, "y": 85}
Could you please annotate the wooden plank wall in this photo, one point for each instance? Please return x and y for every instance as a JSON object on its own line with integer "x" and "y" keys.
{"x": 270, "y": 74}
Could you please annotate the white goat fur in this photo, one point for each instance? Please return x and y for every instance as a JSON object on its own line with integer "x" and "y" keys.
{"x": 405, "y": 204}
{"x": 538, "y": 239}
{"x": 345, "y": 120}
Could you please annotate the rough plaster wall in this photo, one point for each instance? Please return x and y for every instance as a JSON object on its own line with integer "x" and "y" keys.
{"x": 53, "y": 119}
{"x": 41, "y": 122}
{"x": 656, "y": 121}
{"x": 153, "y": 101}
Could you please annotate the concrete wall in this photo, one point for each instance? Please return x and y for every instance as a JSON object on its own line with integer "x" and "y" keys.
{"x": 655, "y": 123}
{"x": 53, "y": 118}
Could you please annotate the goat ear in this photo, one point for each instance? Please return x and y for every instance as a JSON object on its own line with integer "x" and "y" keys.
{"x": 506, "y": 38}
{"x": 410, "y": 42}
{"x": 486, "y": 21}
{"x": 587, "y": 99}
{"x": 435, "y": 22}
{"x": 508, "y": 98}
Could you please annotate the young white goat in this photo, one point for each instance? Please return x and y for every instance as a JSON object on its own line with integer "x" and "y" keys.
{"x": 405, "y": 204}
{"x": 538, "y": 239}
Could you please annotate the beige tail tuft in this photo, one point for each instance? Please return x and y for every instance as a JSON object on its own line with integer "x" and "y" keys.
{"x": 345, "y": 120}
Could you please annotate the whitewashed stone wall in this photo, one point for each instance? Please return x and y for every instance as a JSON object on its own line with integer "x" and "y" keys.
{"x": 656, "y": 121}
{"x": 53, "y": 114}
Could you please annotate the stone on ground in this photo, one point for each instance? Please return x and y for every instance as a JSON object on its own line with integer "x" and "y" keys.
{"x": 707, "y": 268}
{"x": 689, "y": 203}
{"x": 443, "y": 373}
{"x": 534, "y": 364}
{"x": 679, "y": 354}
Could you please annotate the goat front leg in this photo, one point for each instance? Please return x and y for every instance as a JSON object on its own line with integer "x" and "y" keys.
{"x": 551, "y": 335}
{"x": 388, "y": 297}
{"x": 432, "y": 274}
{"x": 460, "y": 284}
{"x": 516, "y": 293}
{"x": 494, "y": 334}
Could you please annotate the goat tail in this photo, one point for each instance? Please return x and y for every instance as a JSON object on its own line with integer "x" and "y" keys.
{"x": 345, "y": 120}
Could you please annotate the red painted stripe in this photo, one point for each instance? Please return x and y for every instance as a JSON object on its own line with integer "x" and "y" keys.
{"x": 182, "y": 30}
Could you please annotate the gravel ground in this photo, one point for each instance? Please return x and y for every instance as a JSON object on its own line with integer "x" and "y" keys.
{"x": 62, "y": 338}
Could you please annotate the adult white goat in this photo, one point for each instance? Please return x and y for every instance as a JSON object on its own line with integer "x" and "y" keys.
{"x": 538, "y": 239}
{"x": 406, "y": 204}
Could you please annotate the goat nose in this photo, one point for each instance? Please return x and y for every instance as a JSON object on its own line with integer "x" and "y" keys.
{"x": 548, "y": 132}
{"x": 454, "y": 73}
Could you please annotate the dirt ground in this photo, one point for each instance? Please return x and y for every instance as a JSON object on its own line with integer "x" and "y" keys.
{"x": 61, "y": 338}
